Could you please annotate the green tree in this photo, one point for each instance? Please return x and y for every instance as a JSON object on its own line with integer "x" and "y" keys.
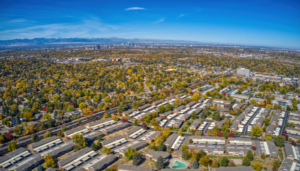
{"x": 129, "y": 153}
{"x": 249, "y": 155}
{"x": 263, "y": 156}
{"x": 256, "y": 131}
{"x": 106, "y": 150}
{"x": 160, "y": 163}
{"x": 246, "y": 162}
{"x": 12, "y": 146}
{"x": 161, "y": 147}
{"x": 276, "y": 165}
{"x": 40, "y": 168}
{"x": 49, "y": 161}
{"x": 224, "y": 161}
{"x": 279, "y": 141}
{"x": 215, "y": 164}
{"x": 33, "y": 138}
{"x": 184, "y": 147}
{"x": 79, "y": 141}
{"x": 2, "y": 139}
{"x": 185, "y": 154}
{"x": 136, "y": 159}
{"x": 195, "y": 164}
{"x": 194, "y": 115}
{"x": 231, "y": 164}
{"x": 204, "y": 160}
{"x": 257, "y": 166}
{"x": 64, "y": 128}
{"x": 47, "y": 135}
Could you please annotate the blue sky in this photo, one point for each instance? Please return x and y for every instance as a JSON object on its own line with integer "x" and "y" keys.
{"x": 256, "y": 22}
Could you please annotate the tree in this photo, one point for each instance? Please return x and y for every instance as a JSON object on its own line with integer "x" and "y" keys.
{"x": 215, "y": 164}
{"x": 231, "y": 164}
{"x": 60, "y": 134}
{"x": 246, "y": 162}
{"x": 106, "y": 150}
{"x": 136, "y": 159}
{"x": 82, "y": 105}
{"x": 33, "y": 138}
{"x": 231, "y": 135}
{"x": 224, "y": 161}
{"x": 129, "y": 153}
{"x": 293, "y": 143}
{"x": 184, "y": 147}
{"x": 198, "y": 133}
{"x": 28, "y": 116}
{"x": 49, "y": 161}
{"x": 40, "y": 168}
{"x": 144, "y": 125}
{"x": 94, "y": 146}
{"x": 47, "y": 135}
{"x": 195, "y": 164}
{"x": 249, "y": 155}
{"x": 64, "y": 128}
{"x": 180, "y": 133}
{"x": 160, "y": 163}
{"x": 204, "y": 160}
{"x": 185, "y": 154}
{"x": 8, "y": 136}
{"x": 292, "y": 125}
{"x": 12, "y": 146}
{"x": 194, "y": 115}
{"x": 263, "y": 156}
{"x": 279, "y": 141}
{"x": 267, "y": 121}
{"x": 276, "y": 165}
{"x": 256, "y": 131}
{"x": 257, "y": 166}
{"x": 269, "y": 138}
{"x": 2, "y": 139}
{"x": 18, "y": 122}
{"x": 161, "y": 147}
{"x": 79, "y": 141}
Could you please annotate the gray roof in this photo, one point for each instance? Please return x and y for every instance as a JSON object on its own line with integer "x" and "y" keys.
{"x": 243, "y": 168}
{"x": 133, "y": 168}
{"x": 156, "y": 154}
{"x": 135, "y": 145}
{"x": 170, "y": 140}
{"x": 234, "y": 126}
{"x": 75, "y": 130}
{"x": 239, "y": 139}
{"x": 198, "y": 110}
{"x": 58, "y": 149}
{"x": 260, "y": 121}
{"x": 274, "y": 119}
{"x": 129, "y": 111}
{"x": 99, "y": 122}
{"x": 195, "y": 124}
{"x": 243, "y": 149}
{"x": 72, "y": 157}
{"x": 289, "y": 150}
{"x": 27, "y": 163}
{"x": 220, "y": 124}
{"x": 240, "y": 118}
{"x": 144, "y": 106}
{"x": 207, "y": 148}
{"x": 93, "y": 135}
{"x": 208, "y": 137}
{"x": 277, "y": 112}
{"x": 166, "y": 113}
{"x": 179, "y": 108}
{"x": 287, "y": 165}
{"x": 102, "y": 163}
{"x": 132, "y": 130}
{"x": 43, "y": 142}
{"x": 270, "y": 129}
{"x": 115, "y": 127}
{"x": 272, "y": 148}
{"x": 12, "y": 154}
{"x": 152, "y": 136}
{"x": 51, "y": 169}
{"x": 113, "y": 139}
{"x": 157, "y": 102}
{"x": 191, "y": 103}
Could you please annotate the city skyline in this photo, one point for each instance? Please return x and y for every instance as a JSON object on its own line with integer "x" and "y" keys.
{"x": 255, "y": 23}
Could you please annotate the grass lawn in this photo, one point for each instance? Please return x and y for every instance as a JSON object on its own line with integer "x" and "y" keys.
{"x": 149, "y": 164}
{"x": 280, "y": 153}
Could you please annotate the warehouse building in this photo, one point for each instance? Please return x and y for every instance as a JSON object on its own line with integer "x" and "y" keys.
{"x": 208, "y": 140}
{"x": 100, "y": 162}
{"x": 209, "y": 149}
{"x": 240, "y": 141}
{"x": 78, "y": 130}
{"x": 76, "y": 160}
{"x": 114, "y": 128}
{"x": 14, "y": 157}
{"x": 267, "y": 147}
{"x": 114, "y": 142}
{"x": 238, "y": 150}
{"x": 100, "y": 124}
{"x": 150, "y": 136}
{"x": 135, "y": 145}
{"x": 134, "y": 132}
{"x": 28, "y": 163}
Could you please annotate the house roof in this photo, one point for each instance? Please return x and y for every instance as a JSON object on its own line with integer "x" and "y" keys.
{"x": 270, "y": 129}
{"x": 133, "y": 168}
{"x": 234, "y": 126}
{"x": 243, "y": 168}
{"x": 287, "y": 165}
{"x": 195, "y": 124}
{"x": 170, "y": 140}
{"x": 74, "y": 156}
{"x": 240, "y": 118}
{"x": 156, "y": 154}
{"x": 43, "y": 142}
{"x": 220, "y": 124}
{"x": 113, "y": 139}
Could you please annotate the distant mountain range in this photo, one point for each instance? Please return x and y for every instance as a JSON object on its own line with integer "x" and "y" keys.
{"x": 44, "y": 41}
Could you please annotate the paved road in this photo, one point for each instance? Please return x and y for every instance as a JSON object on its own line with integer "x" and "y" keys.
{"x": 249, "y": 121}
{"x": 284, "y": 122}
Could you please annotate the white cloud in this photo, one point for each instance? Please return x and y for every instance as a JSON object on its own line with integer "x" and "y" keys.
{"x": 135, "y": 8}
{"x": 159, "y": 21}
{"x": 84, "y": 28}
{"x": 182, "y": 15}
